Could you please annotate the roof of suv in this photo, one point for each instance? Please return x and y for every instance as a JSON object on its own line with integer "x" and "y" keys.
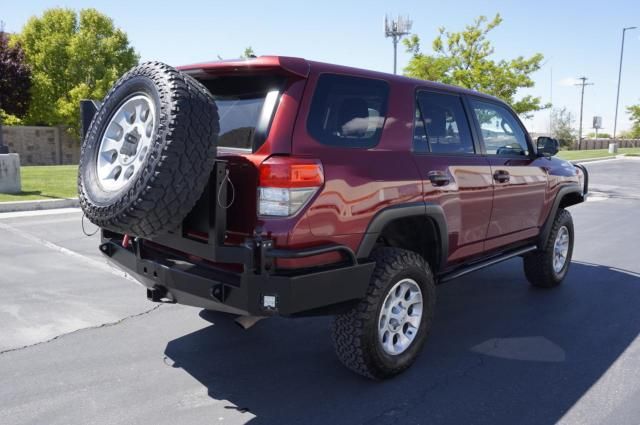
{"x": 302, "y": 67}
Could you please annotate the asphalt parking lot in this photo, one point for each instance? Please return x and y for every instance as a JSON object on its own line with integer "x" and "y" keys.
{"x": 79, "y": 343}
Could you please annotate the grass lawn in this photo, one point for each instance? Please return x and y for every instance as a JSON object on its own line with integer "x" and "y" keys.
{"x": 46, "y": 182}
{"x": 596, "y": 153}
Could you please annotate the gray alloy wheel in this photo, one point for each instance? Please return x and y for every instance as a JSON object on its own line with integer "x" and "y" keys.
{"x": 560, "y": 249}
{"x": 400, "y": 317}
{"x": 126, "y": 142}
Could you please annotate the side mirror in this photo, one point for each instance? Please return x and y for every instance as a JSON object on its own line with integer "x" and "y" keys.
{"x": 547, "y": 146}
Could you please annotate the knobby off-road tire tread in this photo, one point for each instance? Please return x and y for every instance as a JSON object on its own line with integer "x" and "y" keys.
{"x": 178, "y": 166}
{"x": 538, "y": 265}
{"x": 348, "y": 330}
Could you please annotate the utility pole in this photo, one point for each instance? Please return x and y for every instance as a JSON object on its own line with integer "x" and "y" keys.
{"x": 583, "y": 83}
{"x": 396, "y": 29}
{"x": 615, "y": 120}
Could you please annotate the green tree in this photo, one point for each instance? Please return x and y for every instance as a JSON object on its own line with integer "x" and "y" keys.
{"x": 464, "y": 59}
{"x": 15, "y": 78}
{"x": 15, "y": 83}
{"x": 248, "y": 53}
{"x": 634, "y": 112}
{"x": 73, "y": 56}
{"x": 562, "y": 126}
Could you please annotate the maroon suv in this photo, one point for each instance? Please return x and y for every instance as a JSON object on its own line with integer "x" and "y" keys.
{"x": 281, "y": 186}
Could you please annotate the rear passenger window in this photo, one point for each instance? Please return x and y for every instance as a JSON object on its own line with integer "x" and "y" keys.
{"x": 348, "y": 111}
{"x": 441, "y": 125}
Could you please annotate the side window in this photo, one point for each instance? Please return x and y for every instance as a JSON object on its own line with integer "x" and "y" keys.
{"x": 501, "y": 132}
{"x": 348, "y": 111}
{"x": 441, "y": 125}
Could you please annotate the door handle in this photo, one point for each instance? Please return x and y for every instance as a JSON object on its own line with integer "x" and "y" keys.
{"x": 438, "y": 178}
{"x": 501, "y": 176}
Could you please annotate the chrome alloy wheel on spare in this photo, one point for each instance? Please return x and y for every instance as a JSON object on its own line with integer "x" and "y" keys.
{"x": 560, "y": 249}
{"x": 125, "y": 142}
{"x": 400, "y": 317}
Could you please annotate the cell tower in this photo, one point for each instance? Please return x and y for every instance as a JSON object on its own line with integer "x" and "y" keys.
{"x": 396, "y": 28}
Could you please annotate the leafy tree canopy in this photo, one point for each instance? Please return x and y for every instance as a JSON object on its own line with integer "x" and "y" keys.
{"x": 634, "y": 112}
{"x": 248, "y": 53}
{"x": 562, "y": 126}
{"x": 464, "y": 59}
{"x": 15, "y": 80}
{"x": 73, "y": 56}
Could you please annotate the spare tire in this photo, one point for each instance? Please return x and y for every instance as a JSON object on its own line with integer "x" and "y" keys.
{"x": 148, "y": 153}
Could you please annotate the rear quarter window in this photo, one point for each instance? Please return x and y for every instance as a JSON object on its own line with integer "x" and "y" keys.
{"x": 348, "y": 111}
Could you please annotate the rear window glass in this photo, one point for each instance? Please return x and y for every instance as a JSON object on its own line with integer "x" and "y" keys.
{"x": 441, "y": 125}
{"x": 246, "y": 105}
{"x": 348, "y": 111}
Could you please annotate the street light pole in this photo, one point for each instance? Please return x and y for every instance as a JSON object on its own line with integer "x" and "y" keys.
{"x": 615, "y": 120}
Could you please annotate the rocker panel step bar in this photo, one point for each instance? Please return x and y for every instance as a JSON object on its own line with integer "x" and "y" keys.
{"x": 456, "y": 273}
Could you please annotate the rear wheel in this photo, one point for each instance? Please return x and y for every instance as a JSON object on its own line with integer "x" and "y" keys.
{"x": 547, "y": 267}
{"x": 384, "y": 333}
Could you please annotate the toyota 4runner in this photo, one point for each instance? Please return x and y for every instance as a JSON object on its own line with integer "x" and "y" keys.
{"x": 281, "y": 186}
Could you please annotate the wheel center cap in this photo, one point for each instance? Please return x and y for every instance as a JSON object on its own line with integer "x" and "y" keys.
{"x": 129, "y": 147}
{"x": 399, "y": 319}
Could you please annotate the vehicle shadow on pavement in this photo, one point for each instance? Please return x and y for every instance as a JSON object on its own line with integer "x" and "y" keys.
{"x": 500, "y": 352}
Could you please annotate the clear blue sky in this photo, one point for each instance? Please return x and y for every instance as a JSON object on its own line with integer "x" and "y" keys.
{"x": 577, "y": 38}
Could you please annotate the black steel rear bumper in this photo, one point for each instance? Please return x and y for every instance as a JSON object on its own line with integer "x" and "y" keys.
{"x": 257, "y": 292}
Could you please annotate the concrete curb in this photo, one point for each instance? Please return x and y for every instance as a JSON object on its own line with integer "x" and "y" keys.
{"x": 40, "y": 204}
{"x": 603, "y": 158}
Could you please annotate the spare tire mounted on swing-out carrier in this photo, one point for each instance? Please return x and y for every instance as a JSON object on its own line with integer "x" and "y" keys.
{"x": 148, "y": 153}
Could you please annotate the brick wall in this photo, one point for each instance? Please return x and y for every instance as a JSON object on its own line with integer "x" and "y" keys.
{"x": 69, "y": 147}
{"x": 42, "y": 145}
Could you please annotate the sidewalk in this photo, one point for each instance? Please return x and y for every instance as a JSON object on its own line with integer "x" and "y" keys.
{"x": 40, "y": 204}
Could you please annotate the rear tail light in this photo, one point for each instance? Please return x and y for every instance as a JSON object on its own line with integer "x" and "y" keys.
{"x": 287, "y": 184}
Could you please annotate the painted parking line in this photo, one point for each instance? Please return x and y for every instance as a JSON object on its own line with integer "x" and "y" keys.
{"x": 101, "y": 265}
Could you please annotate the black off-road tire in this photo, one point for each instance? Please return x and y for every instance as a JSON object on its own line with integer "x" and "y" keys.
{"x": 178, "y": 163}
{"x": 355, "y": 333}
{"x": 538, "y": 265}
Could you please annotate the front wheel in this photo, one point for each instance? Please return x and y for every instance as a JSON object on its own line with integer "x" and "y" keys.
{"x": 547, "y": 267}
{"x": 384, "y": 333}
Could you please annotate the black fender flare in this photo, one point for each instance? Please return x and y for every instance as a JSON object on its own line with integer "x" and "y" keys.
{"x": 546, "y": 227}
{"x": 428, "y": 210}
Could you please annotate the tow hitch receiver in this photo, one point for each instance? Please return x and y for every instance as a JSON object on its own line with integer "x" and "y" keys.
{"x": 160, "y": 294}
